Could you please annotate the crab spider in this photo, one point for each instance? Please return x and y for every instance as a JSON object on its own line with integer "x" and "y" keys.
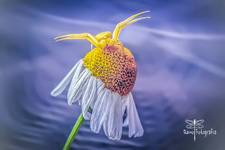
{"x": 104, "y": 38}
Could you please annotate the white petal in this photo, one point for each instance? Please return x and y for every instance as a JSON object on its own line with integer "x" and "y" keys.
{"x": 88, "y": 97}
{"x": 125, "y": 100}
{"x": 75, "y": 87}
{"x": 98, "y": 111}
{"x": 79, "y": 93}
{"x": 114, "y": 120}
{"x": 77, "y": 74}
{"x": 106, "y": 113}
{"x": 135, "y": 127}
{"x": 65, "y": 81}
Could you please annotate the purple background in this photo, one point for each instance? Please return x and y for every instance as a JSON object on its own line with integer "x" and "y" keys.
{"x": 180, "y": 53}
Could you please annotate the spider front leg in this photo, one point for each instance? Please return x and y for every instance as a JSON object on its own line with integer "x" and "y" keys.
{"x": 127, "y": 22}
{"x": 82, "y": 36}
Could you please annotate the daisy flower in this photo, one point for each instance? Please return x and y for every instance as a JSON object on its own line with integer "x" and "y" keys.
{"x": 101, "y": 83}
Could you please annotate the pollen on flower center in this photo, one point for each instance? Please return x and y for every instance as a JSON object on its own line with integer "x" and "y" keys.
{"x": 114, "y": 65}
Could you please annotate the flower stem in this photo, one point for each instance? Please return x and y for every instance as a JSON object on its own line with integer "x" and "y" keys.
{"x": 73, "y": 133}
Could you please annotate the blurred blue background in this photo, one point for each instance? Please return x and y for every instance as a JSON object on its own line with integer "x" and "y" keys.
{"x": 180, "y": 53}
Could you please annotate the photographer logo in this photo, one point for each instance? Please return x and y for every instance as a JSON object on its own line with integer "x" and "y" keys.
{"x": 196, "y": 128}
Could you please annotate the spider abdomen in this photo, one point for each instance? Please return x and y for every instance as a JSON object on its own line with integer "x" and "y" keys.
{"x": 114, "y": 66}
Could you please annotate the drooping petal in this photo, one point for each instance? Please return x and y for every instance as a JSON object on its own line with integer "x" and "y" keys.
{"x": 89, "y": 97}
{"x": 76, "y": 76}
{"x": 125, "y": 100}
{"x": 135, "y": 127}
{"x": 66, "y": 80}
{"x": 84, "y": 76}
{"x": 78, "y": 95}
{"x": 99, "y": 110}
{"x": 113, "y": 123}
{"x": 100, "y": 86}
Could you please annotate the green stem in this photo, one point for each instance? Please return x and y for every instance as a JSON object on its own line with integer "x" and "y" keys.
{"x": 73, "y": 133}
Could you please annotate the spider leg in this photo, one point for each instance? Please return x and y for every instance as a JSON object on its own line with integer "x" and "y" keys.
{"x": 82, "y": 36}
{"x": 138, "y": 19}
{"x": 127, "y": 22}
